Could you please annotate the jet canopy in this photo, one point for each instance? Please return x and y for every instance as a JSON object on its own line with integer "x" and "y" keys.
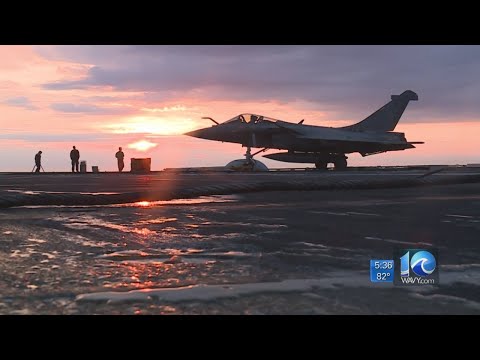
{"x": 249, "y": 119}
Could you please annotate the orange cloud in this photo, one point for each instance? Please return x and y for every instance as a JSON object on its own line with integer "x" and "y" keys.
{"x": 153, "y": 125}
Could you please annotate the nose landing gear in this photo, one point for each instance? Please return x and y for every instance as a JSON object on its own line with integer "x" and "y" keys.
{"x": 248, "y": 164}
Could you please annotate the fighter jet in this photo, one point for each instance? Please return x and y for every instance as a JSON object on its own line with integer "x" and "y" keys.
{"x": 318, "y": 145}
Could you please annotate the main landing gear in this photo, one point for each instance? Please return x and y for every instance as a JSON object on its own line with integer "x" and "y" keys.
{"x": 338, "y": 160}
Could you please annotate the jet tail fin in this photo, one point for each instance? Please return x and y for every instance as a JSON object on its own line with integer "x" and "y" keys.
{"x": 386, "y": 118}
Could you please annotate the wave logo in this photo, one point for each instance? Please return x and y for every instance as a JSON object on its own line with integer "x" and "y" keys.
{"x": 422, "y": 263}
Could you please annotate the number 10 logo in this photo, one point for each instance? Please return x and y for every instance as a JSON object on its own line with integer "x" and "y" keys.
{"x": 422, "y": 263}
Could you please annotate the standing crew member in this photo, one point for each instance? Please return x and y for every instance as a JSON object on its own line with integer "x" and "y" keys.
{"x": 120, "y": 155}
{"x": 38, "y": 161}
{"x": 74, "y": 156}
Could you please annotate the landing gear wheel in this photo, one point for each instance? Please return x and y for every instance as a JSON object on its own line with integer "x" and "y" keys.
{"x": 321, "y": 165}
{"x": 340, "y": 164}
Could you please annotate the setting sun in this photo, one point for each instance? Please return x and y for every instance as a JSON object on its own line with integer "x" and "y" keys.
{"x": 142, "y": 145}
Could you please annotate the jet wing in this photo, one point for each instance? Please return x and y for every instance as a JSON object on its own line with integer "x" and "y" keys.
{"x": 292, "y": 128}
{"x": 310, "y": 132}
{"x": 334, "y": 136}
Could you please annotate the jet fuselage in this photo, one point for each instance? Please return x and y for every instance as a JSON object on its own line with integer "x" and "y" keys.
{"x": 302, "y": 138}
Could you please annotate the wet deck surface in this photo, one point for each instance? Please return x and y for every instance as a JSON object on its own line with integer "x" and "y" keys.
{"x": 263, "y": 253}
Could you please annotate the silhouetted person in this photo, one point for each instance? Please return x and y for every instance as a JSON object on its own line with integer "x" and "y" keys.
{"x": 38, "y": 161}
{"x": 120, "y": 155}
{"x": 74, "y": 156}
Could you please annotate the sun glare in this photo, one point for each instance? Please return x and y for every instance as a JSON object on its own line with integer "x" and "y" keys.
{"x": 143, "y": 203}
{"x": 142, "y": 145}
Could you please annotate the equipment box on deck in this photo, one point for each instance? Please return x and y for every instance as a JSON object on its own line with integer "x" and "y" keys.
{"x": 141, "y": 165}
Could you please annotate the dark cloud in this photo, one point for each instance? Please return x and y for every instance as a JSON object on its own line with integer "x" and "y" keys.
{"x": 22, "y": 102}
{"x": 107, "y": 99}
{"x": 88, "y": 109}
{"x": 349, "y": 81}
{"x": 64, "y": 85}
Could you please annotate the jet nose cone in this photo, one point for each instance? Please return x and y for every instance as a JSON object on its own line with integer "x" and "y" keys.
{"x": 199, "y": 133}
{"x": 193, "y": 133}
{"x": 205, "y": 133}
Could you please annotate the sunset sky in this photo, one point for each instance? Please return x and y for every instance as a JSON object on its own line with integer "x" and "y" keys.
{"x": 144, "y": 97}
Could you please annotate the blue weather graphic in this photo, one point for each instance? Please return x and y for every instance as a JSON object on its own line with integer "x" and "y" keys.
{"x": 423, "y": 263}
